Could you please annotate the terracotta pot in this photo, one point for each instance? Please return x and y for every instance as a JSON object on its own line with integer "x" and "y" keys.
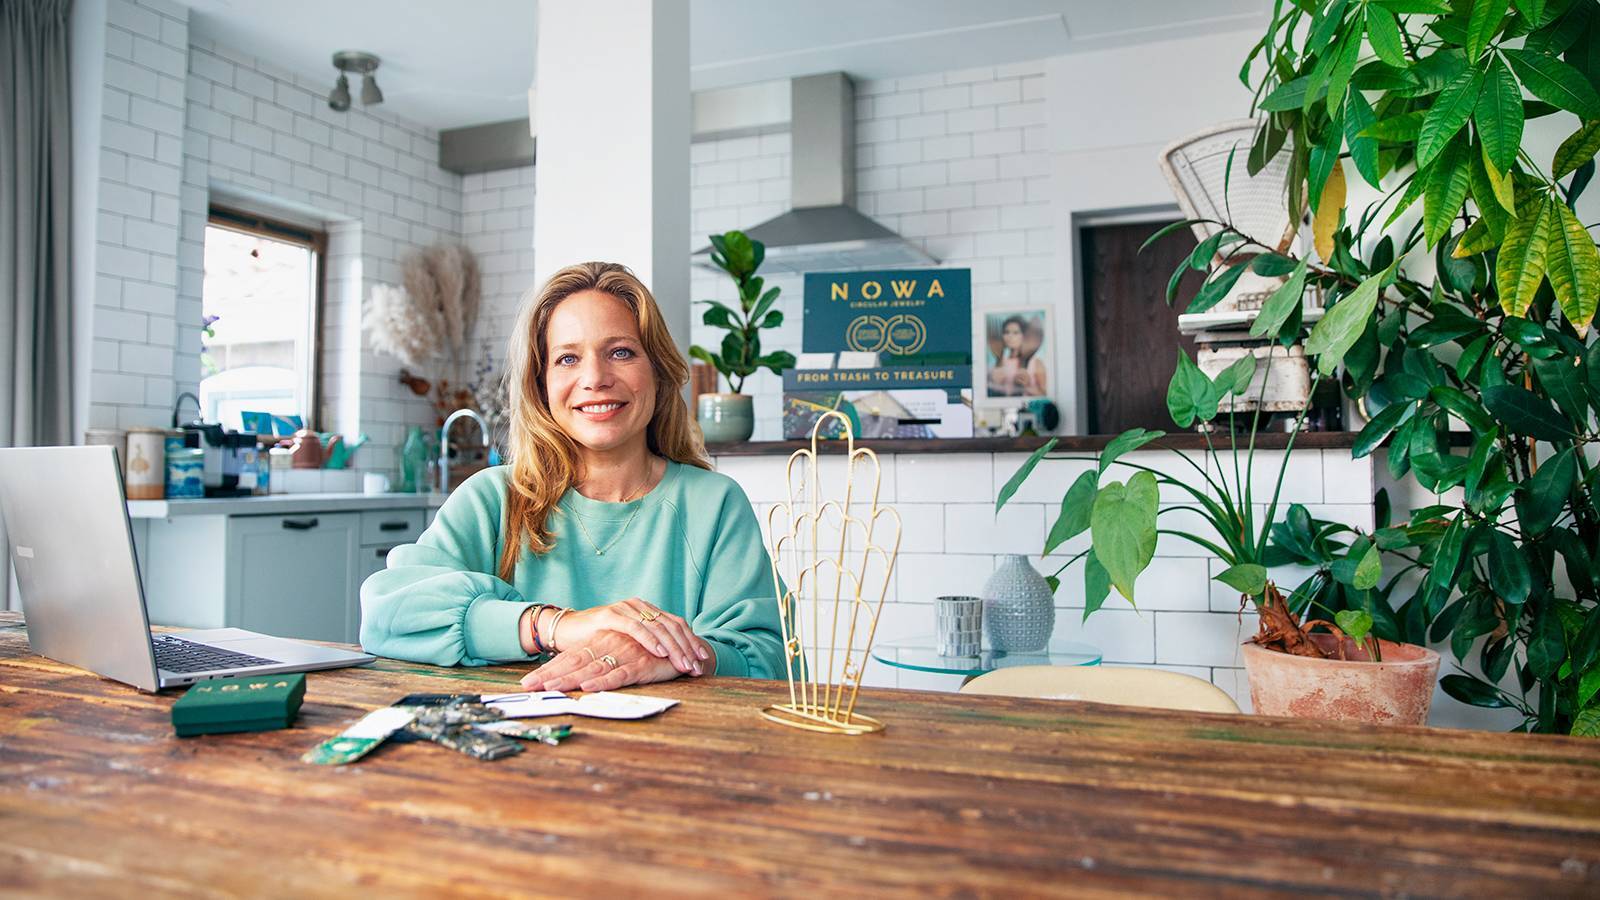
{"x": 1396, "y": 691}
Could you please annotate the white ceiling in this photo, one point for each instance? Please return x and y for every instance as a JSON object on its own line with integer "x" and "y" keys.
{"x": 464, "y": 63}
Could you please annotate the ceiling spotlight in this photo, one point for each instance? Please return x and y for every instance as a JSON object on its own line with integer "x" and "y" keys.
{"x": 359, "y": 63}
{"x": 339, "y": 97}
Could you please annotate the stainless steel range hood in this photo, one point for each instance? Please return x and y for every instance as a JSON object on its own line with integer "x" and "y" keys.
{"x": 824, "y": 231}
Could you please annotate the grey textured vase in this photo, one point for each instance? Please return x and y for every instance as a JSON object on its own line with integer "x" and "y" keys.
{"x": 1018, "y": 609}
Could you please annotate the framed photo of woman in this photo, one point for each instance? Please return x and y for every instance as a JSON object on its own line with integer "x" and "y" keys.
{"x": 1016, "y": 355}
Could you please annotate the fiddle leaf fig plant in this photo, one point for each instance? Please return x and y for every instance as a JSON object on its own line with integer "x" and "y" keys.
{"x": 1466, "y": 335}
{"x": 740, "y": 353}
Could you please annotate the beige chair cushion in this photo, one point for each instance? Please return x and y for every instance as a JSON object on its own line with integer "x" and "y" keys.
{"x": 1105, "y": 684}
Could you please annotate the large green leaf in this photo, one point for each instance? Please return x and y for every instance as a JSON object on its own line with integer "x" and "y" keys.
{"x": 1573, "y": 267}
{"x": 1275, "y": 312}
{"x": 1579, "y": 148}
{"x": 1290, "y": 95}
{"x": 1483, "y": 25}
{"x": 1508, "y": 569}
{"x": 1524, "y": 255}
{"x": 1246, "y": 578}
{"x": 1547, "y": 645}
{"x": 1472, "y": 691}
{"x": 1542, "y": 498}
{"x": 1449, "y": 112}
{"x": 1586, "y": 723}
{"x": 1122, "y": 526}
{"x": 1212, "y": 292}
{"x": 1363, "y": 150}
{"x": 1190, "y": 394}
{"x": 1562, "y": 378}
{"x": 1076, "y": 505}
{"x": 1126, "y": 442}
{"x": 1449, "y": 178}
{"x": 1379, "y": 428}
{"x": 1524, "y": 412}
{"x": 1368, "y": 570}
{"x": 1383, "y": 32}
{"x": 1397, "y": 129}
{"x": 1344, "y": 67}
{"x": 1096, "y": 584}
{"x": 1498, "y": 115}
{"x": 1555, "y": 82}
{"x": 1458, "y": 402}
{"x": 1342, "y": 324}
{"x": 1021, "y": 475}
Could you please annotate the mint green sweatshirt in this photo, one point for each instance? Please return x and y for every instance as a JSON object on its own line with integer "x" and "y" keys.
{"x": 693, "y": 548}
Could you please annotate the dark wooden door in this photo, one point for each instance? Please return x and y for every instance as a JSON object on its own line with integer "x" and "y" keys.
{"x": 1131, "y": 334}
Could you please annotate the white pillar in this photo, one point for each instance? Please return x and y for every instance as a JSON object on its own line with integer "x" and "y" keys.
{"x": 613, "y": 121}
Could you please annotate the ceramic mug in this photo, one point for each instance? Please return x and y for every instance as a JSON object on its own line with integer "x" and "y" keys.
{"x": 374, "y": 483}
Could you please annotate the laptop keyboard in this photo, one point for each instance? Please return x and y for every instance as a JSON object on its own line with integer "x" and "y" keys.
{"x": 175, "y": 654}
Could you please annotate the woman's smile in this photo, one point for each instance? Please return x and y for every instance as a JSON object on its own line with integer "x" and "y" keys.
{"x": 600, "y": 410}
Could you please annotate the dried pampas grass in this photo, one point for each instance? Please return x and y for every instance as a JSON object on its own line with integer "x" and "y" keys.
{"x": 433, "y": 314}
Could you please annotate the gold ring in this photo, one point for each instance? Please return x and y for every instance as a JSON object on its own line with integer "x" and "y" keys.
{"x": 649, "y": 615}
{"x": 590, "y": 652}
{"x": 609, "y": 660}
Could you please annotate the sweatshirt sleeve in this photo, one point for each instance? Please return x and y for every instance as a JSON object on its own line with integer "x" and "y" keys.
{"x": 437, "y": 601}
{"x": 738, "y": 612}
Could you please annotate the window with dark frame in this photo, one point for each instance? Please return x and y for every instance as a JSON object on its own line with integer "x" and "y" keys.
{"x": 262, "y": 308}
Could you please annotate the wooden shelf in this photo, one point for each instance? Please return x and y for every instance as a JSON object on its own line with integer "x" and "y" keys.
{"x": 1310, "y": 440}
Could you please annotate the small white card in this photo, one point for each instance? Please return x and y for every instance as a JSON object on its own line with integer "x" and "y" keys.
{"x": 599, "y": 705}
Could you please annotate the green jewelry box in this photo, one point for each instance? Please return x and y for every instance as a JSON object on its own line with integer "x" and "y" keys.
{"x": 247, "y": 703}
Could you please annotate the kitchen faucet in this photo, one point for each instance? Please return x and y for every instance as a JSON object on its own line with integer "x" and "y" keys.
{"x": 444, "y": 443}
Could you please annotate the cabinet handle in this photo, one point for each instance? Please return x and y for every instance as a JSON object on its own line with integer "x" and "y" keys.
{"x": 393, "y": 526}
{"x": 300, "y": 524}
{"x": 382, "y": 552}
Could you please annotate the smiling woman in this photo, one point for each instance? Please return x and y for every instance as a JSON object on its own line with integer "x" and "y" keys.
{"x": 608, "y": 541}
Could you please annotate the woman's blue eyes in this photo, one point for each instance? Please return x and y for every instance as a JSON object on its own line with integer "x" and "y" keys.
{"x": 567, "y": 359}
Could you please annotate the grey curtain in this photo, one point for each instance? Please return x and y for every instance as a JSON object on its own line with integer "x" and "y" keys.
{"x": 35, "y": 233}
{"x": 35, "y": 201}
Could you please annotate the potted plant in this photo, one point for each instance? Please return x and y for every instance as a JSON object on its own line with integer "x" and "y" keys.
{"x": 730, "y": 416}
{"x": 1475, "y": 317}
{"x": 1344, "y": 671}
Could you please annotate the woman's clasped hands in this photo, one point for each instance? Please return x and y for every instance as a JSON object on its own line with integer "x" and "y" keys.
{"x": 612, "y": 646}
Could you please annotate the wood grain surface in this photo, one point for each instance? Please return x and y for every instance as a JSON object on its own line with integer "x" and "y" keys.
{"x": 961, "y": 796}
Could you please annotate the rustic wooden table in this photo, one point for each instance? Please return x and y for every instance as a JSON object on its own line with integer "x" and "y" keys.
{"x": 960, "y": 796}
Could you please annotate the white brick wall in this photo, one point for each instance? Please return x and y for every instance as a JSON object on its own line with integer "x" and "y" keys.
{"x": 262, "y": 134}
{"x": 184, "y": 123}
{"x": 954, "y": 161}
{"x": 951, "y": 540}
{"x": 497, "y": 225}
{"x": 135, "y": 316}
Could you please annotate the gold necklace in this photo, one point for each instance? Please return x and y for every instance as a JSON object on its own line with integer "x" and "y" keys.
{"x": 599, "y": 550}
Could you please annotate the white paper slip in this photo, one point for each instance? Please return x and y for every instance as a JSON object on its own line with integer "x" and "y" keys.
{"x": 600, "y": 705}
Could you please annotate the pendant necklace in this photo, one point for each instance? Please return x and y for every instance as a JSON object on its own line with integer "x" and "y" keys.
{"x": 599, "y": 550}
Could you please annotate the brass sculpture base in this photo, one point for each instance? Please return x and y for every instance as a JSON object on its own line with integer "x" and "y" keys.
{"x": 799, "y": 717}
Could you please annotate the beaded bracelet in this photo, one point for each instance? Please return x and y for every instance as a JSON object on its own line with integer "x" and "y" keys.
{"x": 533, "y": 626}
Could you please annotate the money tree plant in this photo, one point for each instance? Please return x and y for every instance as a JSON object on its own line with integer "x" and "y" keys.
{"x": 1466, "y": 335}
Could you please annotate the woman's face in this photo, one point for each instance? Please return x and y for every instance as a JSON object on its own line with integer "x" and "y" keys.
{"x": 600, "y": 386}
{"x": 1011, "y": 335}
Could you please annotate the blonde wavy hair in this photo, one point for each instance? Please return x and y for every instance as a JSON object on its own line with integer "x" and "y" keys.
{"x": 545, "y": 461}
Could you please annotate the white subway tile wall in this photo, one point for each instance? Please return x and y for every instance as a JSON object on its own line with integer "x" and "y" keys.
{"x": 137, "y": 316}
{"x": 184, "y": 122}
{"x": 955, "y": 161}
{"x": 951, "y": 543}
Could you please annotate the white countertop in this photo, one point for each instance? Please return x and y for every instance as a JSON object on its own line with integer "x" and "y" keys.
{"x": 279, "y": 504}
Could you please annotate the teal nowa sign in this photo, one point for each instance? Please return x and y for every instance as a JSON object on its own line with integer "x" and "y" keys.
{"x": 903, "y": 315}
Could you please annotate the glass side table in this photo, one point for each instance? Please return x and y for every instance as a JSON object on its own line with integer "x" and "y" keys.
{"x": 921, "y": 654}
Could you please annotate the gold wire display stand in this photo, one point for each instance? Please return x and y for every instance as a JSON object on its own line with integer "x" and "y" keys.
{"x": 823, "y": 698}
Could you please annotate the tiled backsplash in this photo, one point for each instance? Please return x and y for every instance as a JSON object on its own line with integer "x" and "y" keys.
{"x": 951, "y": 539}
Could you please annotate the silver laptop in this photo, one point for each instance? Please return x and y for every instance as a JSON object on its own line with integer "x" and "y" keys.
{"x": 69, "y": 537}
